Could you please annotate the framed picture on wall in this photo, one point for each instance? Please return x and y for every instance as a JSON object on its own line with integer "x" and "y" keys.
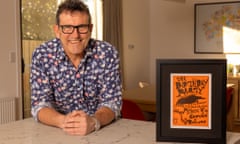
{"x": 191, "y": 100}
{"x": 217, "y": 27}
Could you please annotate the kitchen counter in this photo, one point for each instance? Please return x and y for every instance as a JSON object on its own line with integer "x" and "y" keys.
{"x": 123, "y": 131}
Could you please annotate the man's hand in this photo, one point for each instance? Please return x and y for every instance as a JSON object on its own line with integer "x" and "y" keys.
{"x": 78, "y": 123}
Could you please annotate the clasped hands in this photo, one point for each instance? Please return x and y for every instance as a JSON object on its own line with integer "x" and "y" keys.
{"x": 78, "y": 123}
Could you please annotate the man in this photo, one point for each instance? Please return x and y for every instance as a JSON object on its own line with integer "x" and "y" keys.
{"x": 75, "y": 80}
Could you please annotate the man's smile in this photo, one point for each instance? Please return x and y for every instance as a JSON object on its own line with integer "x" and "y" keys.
{"x": 73, "y": 41}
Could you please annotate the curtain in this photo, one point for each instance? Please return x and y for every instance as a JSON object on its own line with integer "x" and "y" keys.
{"x": 112, "y": 26}
{"x": 112, "y": 22}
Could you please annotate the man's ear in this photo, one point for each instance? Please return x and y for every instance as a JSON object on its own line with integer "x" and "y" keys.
{"x": 91, "y": 27}
{"x": 56, "y": 30}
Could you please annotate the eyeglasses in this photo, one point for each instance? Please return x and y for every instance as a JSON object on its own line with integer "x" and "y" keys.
{"x": 68, "y": 29}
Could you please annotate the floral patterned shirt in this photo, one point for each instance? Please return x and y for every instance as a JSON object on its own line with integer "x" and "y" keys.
{"x": 56, "y": 83}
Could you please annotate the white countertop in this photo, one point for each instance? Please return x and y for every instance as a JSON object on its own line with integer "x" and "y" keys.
{"x": 122, "y": 131}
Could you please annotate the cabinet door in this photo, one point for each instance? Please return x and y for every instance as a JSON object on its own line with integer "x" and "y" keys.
{"x": 235, "y": 100}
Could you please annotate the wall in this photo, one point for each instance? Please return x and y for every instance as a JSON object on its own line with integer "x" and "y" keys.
{"x": 10, "y": 78}
{"x": 170, "y": 35}
{"x": 136, "y": 45}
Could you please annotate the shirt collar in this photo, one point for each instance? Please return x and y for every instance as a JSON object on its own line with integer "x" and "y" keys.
{"x": 61, "y": 55}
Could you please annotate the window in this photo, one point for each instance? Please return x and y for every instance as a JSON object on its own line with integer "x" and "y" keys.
{"x": 95, "y": 7}
{"x": 231, "y": 45}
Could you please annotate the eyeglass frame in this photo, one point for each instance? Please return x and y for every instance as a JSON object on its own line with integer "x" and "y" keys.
{"x": 75, "y": 27}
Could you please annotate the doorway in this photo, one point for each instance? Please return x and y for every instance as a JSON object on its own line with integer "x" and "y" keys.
{"x": 38, "y": 17}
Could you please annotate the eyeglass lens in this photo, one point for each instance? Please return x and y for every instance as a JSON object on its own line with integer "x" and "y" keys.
{"x": 68, "y": 29}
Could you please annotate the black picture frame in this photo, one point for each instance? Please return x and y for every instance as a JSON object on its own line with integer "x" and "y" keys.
{"x": 214, "y": 25}
{"x": 215, "y": 70}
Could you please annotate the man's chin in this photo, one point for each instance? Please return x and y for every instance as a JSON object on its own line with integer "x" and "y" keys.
{"x": 76, "y": 48}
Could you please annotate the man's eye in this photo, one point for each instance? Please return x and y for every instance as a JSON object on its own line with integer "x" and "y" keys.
{"x": 68, "y": 27}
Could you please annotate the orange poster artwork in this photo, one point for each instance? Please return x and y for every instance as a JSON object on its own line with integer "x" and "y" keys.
{"x": 190, "y": 101}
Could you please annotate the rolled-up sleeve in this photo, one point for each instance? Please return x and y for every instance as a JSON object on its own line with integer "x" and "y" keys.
{"x": 41, "y": 93}
{"x": 111, "y": 91}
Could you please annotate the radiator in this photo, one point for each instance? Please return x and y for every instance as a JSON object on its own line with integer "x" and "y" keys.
{"x": 7, "y": 110}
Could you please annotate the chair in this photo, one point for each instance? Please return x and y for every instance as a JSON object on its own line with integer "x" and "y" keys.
{"x": 230, "y": 91}
{"x": 130, "y": 110}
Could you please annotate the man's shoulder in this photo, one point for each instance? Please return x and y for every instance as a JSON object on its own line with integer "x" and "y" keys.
{"x": 102, "y": 43}
{"x": 47, "y": 48}
{"x": 51, "y": 45}
{"x": 103, "y": 46}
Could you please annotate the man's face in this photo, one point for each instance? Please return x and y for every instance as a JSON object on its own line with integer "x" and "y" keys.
{"x": 73, "y": 43}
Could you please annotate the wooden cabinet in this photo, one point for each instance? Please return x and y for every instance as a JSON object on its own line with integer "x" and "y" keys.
{"x": 234, "y": 113}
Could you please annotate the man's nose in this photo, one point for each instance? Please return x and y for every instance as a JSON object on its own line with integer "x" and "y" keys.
{"x": 75, "y": 31}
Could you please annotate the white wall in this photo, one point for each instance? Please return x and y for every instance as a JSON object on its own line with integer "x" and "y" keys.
{"x": 136, "y": 29}
{"x": 10, "y": 77}
{"x": 170, "y": 35}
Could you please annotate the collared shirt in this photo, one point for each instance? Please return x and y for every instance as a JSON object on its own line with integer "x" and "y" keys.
{"x": 56, "y": 83}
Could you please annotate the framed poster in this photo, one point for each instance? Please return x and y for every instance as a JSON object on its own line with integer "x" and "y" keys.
{"x": 191, "y": 104}
{"x": 216, "y": 28}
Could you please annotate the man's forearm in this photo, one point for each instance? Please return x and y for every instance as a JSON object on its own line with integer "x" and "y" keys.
{"x": 105, "y": 115}
{"x": 51, "y": 117}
